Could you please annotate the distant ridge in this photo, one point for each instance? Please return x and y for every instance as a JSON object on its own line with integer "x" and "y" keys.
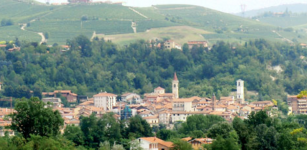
{"x": 295, "y": 8}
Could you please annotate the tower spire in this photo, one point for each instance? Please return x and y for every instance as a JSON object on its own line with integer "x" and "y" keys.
{"x": 175, "y": 77}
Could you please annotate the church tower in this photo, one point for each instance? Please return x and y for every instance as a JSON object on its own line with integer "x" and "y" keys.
{"x": 175, "y": 86}
{"x": 213, "y": 101}
{"x": 240, "y": 91}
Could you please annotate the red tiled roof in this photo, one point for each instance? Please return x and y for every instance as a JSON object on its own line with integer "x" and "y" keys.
{"x": 196, "y": 42}
{"x": 159, "y": 88}
{"x": 104, "y": 94}
{"x": 175, "y": 77}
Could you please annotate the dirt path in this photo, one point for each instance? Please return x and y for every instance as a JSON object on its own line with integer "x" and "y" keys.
{"x": 282, "y": 37}
{"x": 138, "y": 13}
{"x": 94, "y": 35}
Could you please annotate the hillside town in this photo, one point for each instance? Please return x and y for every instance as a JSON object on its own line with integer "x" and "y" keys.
{"x": 157, "y": 107}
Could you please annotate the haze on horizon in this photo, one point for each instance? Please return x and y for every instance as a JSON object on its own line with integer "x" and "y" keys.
{"x": 229, "y": 6}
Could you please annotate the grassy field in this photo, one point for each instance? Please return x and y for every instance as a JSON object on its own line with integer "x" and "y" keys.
{"x": 102, "y": 11}
{"x": 144, "y": 25}
{"x": 180, "y": 34}
{"x": 60, "y": 31}
{"x": 11, "y": 32}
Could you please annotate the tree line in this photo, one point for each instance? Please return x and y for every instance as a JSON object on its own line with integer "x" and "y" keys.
{"x": 92, "y": 66}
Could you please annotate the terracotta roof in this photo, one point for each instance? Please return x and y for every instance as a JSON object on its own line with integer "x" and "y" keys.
{"x": 159, "y": 88}
{"x": 104, "y": 94}
{"x": 260, "y": 102}
{"x": 151, "y": 117}
{"x": 157, "y": 140}
{"x": 175, "y": 77}
{"x": 2, "y": 45}
{"x": 186, "y": 139}
{"x": 185, "y": 99}
{"x": 62, "y": 91}
{"x": 196, "y": 42}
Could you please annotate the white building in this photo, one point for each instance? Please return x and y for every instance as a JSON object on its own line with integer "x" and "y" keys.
{"x": 131, "y": 98}
{"x": 240, "y": 91}
{"x": 152, "y": 143}
{"x": 105, "y": 100}
{"x": 56, "y": 102}
{"x": 183, "y": 104}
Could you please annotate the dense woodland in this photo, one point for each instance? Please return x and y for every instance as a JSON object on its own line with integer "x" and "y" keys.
{"x": 89, "y": 67}
{"x": 258, "y": 132}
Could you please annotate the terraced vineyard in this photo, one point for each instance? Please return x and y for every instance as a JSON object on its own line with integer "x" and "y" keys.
{"x": 107, "y": 20}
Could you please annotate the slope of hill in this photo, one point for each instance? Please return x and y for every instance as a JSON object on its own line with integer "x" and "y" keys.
{"x": 295, "y": 8}
{"x": 67, "y": 21}
{"x": 285, "y": 21}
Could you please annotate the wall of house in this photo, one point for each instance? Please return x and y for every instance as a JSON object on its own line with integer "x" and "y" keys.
{"x": 187, "y": 106}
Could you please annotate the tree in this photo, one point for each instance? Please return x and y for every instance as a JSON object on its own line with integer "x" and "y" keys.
{"x": 181, "y": 145}
{"x": 138, "y": 127}
{"x": 199, "y": 122}
{"x": 223, "y": 144}
{"x": 267, "y": 137}
{"x": 222, "y": 129}
{"x": 246, "y": 136}
{"x": 74, "y": 134}
{"x": 255, "y": 119}
{"x": 31, "y": 117}
{"x": 166, "y": 134}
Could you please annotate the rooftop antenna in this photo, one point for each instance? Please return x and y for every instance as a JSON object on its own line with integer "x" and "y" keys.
{"x": 243, "y": 8}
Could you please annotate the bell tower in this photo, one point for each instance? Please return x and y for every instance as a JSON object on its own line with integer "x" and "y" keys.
{"x": 240, "y": 91}
{"x": 175, "y": 86}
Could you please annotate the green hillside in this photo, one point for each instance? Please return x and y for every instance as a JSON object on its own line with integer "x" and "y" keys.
{"x": 64, "y": 22}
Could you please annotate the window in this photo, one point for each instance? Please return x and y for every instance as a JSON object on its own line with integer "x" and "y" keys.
{"x": 174, "y": 85}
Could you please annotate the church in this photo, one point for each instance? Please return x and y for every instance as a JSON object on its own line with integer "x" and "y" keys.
{"x": 159, "y": 92}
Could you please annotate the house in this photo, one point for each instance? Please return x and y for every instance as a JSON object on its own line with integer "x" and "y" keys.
{"x": 3, "y": 125}
{"x": 105, "y": 100}
{"x": 153, "y": 143}
{"x": 71, "y": 97}
{"x": 303, "y": 45}
{"x": 56, "y": 102}
{"x": 14, "y": 49}
{"x": 164, "y": 117}
{"x": 170, "y": 44}
{"x": 262, "y": 104}
{"x": 132, "y": 98}
{"x": 197, "y": 43}
{"x": 152, "y": 120}
{"x": 2, "y": 46}
{"x": 199, "y": 143}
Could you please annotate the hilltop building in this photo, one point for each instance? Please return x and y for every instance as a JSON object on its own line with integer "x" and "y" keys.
{"x": 170, "y": 44}
{"x": 197, "y": 43}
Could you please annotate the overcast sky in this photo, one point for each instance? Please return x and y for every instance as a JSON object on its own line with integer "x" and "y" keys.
{"x": 230, "y": 6}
